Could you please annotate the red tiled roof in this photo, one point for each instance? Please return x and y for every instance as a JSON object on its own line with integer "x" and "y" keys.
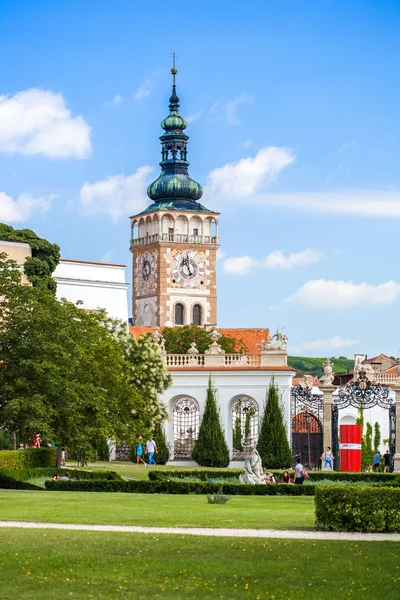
{"x": 378, "y": 359}
{"x": 250, "y": 337}
{"x": 88, "y": 262}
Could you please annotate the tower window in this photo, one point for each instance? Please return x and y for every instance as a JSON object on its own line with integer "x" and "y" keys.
{"x": 197, "y": 314}
{"x": 195, "y": 232}
{"x": 179, "y": 314}
{"x": 171, "y": 234}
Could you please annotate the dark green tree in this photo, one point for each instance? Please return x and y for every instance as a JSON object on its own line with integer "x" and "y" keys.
{"x": 237, "y": 440}
{"x": 377, "y": 435}
{"x": 210, "y": 448}
{"x": 273, "y": 445}
{"x": 163, "y": 447}
{"x": 360, "y": 421}
{"x": 179, "y": 339}
{"x": 45, "y": 256}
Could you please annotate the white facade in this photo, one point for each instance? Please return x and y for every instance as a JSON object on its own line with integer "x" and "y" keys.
{"x": 97, "y": 285}
{"x": 231, "y": 385}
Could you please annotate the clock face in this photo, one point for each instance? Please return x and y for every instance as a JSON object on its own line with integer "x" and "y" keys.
{"x": 188, "y": 269}
{"x": 146, "y": 272}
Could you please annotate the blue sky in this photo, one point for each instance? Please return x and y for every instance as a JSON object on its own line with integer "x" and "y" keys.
{"x": 294, "y": 128}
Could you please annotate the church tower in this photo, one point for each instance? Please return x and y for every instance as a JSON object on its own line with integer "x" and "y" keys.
{"x": 174, "y": 241}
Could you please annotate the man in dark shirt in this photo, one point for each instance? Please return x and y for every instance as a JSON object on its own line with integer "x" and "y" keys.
{"x": 387, "y": 458}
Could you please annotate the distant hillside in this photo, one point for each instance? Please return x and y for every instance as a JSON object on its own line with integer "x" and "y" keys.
{"x": 313, "y": 366}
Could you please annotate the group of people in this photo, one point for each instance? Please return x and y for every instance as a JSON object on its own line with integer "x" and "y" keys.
{"x": 376, "y": 461}
{"x": 65, "y": 477}
{"x": 151, "y": 449}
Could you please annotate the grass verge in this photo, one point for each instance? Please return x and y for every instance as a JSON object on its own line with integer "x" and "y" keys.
{"x": 275, "y": 512}
{"x": 64, "y": 564}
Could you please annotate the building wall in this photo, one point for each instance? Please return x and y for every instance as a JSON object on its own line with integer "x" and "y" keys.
{"x": 97, "y": 285}
{"x": 19, "y": 252}
{"x": 230, "y": 385}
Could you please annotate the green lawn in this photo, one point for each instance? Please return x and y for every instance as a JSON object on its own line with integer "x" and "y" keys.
{"x": 129, "y": 469}
{"x": 275, "y": 512}
{"x": 54, "y": 565}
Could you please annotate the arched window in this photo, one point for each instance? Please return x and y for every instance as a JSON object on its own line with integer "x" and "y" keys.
{"x": 186, "y": 426}
{"x": 179, "y": 311}
{"x": 244, "y": 427}
{"x": 197, "y": 314}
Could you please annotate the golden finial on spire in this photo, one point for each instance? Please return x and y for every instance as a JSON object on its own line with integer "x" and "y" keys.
{"x": 174, "y": 70}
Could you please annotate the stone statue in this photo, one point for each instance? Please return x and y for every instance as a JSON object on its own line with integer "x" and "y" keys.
{"x": 215, "y": 348}
{"x": 329, "y": 375}
{"x": 253, "y": 471}
{"x": 193, "y": 352}
{"x": 281, "y": 340}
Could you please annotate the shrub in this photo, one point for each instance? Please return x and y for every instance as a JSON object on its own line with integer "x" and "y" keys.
{"x": 273, "y": 445}
{"x": 163, "y": 447}
{"x": 356, "y": 508}
{"x": 210, "y": 448}
{"x": 202, "y": 475}
{"x": 25, "y": 459}
{"x": 25, "y": 474}
{"x": 9, "y": 483}
{"x": 217, "y": 498}
{"x": 179, "y": 487}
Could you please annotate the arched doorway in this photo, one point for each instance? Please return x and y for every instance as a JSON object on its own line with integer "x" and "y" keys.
{"x": 186, "y": 426}
{"x": 307, "y": 441}
{"x": 245, "y": 427}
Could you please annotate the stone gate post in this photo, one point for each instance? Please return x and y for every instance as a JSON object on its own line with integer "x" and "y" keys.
{"x": 327, "y": 391}
{"x": 396, "y": 458}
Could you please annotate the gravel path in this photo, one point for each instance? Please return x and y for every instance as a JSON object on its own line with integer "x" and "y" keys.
{"x": 248, "y": 533}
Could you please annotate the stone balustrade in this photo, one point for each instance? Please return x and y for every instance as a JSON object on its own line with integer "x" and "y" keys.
{"x": 174, "y": 237}
{"x": 225, "y": 360}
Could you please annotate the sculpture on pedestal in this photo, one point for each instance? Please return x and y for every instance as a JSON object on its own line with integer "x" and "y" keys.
{"x": 329, "y": 375}
{"x": 193, "y": 352}
{"x": 280, "y": 343}
{"x": 215, "y": 348}
{"x": 253, "y": 470}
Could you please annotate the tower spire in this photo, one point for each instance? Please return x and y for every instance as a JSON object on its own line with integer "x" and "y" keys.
{"x": 174, "y": 182}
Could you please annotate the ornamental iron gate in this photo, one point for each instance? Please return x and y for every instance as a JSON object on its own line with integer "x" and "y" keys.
{"x": 307, "y": 415}
{"x": 245, "y": 421}
{"x": 362, "y": 393}
{"x": 186, "y": 427}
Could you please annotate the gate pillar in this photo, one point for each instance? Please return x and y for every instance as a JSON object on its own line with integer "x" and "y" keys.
{"x": 396, "y": 458}
{"x": 327, "y": 391}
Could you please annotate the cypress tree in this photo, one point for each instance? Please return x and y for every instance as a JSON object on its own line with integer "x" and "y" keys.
{"x": 237, "y": 431}
{"x": 377, "y": 435}
{"x": 164, "y": 450}
{"x": 369, "y": 453}
{"x": 273, "y": 445}
{"x": 210, "y": 448}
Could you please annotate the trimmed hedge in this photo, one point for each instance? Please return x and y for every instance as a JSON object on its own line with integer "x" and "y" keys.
{"x": 27, "y": 459}
{"x": 9, "y": 483}
{"x": 158, "y": 475}
{"x": 179, "y": 487}
{"x": 25, "y": 474}
{"x": 354, "y": 508}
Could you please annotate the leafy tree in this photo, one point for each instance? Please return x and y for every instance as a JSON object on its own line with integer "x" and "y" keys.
{"x": 237, "y": 432}
{"x": 163, "y": 447}
{"x": 210, "y": 448}
{"x": 178, "y": 340}
{"x": 369, "y": 452}
{"x": 273, "y": 445}
{"x": 45, "y": 256}
{"x": 377, "y": 435}
{"x": 68, "y": 374}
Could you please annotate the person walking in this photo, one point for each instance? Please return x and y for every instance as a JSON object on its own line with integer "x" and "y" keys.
{"x": 386, "y": 458}
{"x": 328, "y": 458}
{"x": 377, "y": 460}
{"x": 151, "y": 448}
{"x": 298, "y": 477}
{"x": 139, "y": 451}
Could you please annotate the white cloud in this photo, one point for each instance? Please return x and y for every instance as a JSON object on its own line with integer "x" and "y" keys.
{"x": 107, "y": 257}
{"x": 38, "y": 122}
{"x": 240, "y": 265}
{"x": 232, "y": 106}
{"x": 364, "y": 203}
{"x": 220, "y": 254}
{"x": 115, "y": 101}
{"x": 320, "y": 293}
{"x": 295, "y": 259}
{"x": 334, "y": 343}
{"x": 23, "y": 207}
{"x": 247, "y": 143}
{"x": 142, "y": 91}
{"x": 118, "y": 195}
{"x": 243, "y": 178}
{"x": 194, "y": 116}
